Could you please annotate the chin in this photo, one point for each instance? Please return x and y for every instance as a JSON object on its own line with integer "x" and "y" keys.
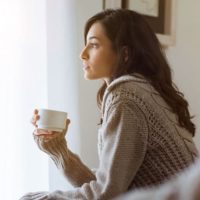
{"x": 90, "y": 77}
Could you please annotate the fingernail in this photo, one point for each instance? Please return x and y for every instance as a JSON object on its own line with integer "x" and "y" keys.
{"x": 35, "y": 132}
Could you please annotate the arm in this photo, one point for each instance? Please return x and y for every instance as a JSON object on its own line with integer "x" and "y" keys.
{"x": 124, "y": 133}
{"x": 66, "y": 161}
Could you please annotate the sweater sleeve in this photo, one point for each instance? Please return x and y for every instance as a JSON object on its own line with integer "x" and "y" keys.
{"x": 124, "y": 146}
{"x": 66, "y": 161}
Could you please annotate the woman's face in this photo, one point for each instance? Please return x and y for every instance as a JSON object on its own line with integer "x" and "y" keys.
{"x": 99, "y": 58}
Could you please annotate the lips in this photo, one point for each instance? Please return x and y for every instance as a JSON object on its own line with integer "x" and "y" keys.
{"x": 85, "y": 66}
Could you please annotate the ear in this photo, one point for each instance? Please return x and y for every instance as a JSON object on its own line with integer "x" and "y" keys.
{"x": 125, "y": 53}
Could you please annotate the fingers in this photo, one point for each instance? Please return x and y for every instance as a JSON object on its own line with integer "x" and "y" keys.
{"x": 46, "y": 135}
{"x": 40, "y": 132}
{"x": 67, "y": 122}
{"x": 36, "y": 111}
{"x": 35, "y": 118}
{"x": 66, "y": 126}
{"x": 44, "y": 132}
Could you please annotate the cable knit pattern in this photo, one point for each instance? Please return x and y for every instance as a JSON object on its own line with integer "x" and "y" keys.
{"x": 170, "y": 147}
{"x": 183, "y": 186}
{"x": 140, "y": 144}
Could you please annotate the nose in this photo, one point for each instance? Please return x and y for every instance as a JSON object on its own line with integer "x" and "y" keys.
{"x": 83, "y": 54}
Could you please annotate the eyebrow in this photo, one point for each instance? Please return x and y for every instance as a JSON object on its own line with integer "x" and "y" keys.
{"x": 93, "y": 37}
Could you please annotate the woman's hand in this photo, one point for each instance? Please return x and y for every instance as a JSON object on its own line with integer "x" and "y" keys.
{"x": 46, "y": 140}
{"x": 46, "y": 133}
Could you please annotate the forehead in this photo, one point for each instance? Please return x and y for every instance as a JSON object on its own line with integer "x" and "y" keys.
{"x": 96, "y": 30}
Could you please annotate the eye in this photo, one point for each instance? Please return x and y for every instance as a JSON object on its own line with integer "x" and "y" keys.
{"x": 94, "y": 45}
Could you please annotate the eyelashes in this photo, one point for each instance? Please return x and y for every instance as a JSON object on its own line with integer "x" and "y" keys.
{"x": 94, "y": 45}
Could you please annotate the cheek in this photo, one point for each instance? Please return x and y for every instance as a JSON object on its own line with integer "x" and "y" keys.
{"x": 99, "y": 59}
{"x": 111, "y": 60}
{"x": 104, "y": 61}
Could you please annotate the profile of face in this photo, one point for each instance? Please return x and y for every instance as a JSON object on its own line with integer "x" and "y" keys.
{"x": 99, "y": 58}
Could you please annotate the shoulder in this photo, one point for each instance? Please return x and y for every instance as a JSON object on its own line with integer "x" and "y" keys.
{"x": 126, "y": 80}
{"x": 127, "y": 88}
{"x": 130, "y": 84}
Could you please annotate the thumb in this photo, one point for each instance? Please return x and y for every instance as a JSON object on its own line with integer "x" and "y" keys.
{"x": 66, "y": 126}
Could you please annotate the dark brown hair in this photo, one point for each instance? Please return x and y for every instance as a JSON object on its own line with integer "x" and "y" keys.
{"x": 129, "y": 30}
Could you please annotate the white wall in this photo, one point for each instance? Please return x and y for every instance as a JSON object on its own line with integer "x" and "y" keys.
{"x": 185, "y": 56}
{"x": 89, "y": 113}
{"x": 63, "y": 91}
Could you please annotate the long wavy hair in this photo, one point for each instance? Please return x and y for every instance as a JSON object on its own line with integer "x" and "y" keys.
{"x": 132, "y": 36}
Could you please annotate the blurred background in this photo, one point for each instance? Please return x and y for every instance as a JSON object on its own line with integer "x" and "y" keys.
{"x": 40, "y": 43}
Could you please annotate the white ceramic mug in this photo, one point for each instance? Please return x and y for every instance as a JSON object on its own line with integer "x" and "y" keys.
{"x": 51, "y": 120}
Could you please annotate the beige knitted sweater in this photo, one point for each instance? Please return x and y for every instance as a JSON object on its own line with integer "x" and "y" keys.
{"x": 140, "y": 144}
{"x": 184, "y": 186}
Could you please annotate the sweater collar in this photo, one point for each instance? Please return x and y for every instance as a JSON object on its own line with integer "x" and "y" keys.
{"x": 125, "y": 78}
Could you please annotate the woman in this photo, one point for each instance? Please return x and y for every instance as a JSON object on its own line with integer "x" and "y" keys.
{"x": 146, "y": 129}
